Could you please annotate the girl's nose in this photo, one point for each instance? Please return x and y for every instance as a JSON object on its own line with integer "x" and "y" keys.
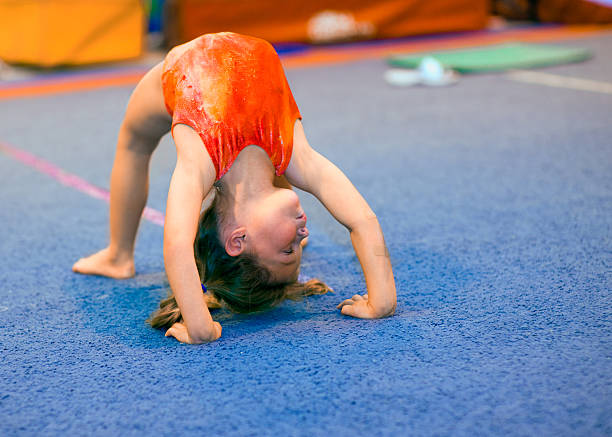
{"x": 302, "y": 232}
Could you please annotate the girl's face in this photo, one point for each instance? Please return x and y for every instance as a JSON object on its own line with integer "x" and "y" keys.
{"x": 276, "y": 228}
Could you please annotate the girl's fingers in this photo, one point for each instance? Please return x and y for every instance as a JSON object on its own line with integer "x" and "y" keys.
{"x": 179, "y": 332}
{"x": 171, "y": 332}
{"x": 218, "y": 329}
{"x": 176, "y": 331}
{"x": 175, "y": 334}
{"x": 357, "y": 297}
{"x": 359, "y": 309}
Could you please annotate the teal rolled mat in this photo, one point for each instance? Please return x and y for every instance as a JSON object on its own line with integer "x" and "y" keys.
{"x": 497, "y": 58}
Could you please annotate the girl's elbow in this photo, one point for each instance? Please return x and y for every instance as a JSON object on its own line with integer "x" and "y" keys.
{"x": 364, "y": 223}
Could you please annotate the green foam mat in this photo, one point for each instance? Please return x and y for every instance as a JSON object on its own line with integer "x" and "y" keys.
{"x": 497, "y": 57}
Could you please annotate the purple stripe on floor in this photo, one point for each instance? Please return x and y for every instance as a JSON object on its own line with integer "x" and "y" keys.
{"x": 71, "y": 180}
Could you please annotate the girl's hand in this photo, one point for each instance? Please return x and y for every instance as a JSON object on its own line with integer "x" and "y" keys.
{"x": 359, "y": 306}
{"x": 179, "y": 331}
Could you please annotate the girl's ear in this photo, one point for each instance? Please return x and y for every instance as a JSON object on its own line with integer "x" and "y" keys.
{"x": 235, "y": 243}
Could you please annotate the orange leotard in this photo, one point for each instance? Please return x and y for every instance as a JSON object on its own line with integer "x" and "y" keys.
{"x": 231, "y": 89}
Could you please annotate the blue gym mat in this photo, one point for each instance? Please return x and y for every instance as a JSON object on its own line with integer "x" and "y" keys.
{"x": 496, "y": 201}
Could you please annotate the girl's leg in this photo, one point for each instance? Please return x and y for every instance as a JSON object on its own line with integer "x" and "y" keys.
{"x": 145, "y": 122}
{"x": 129, "y": 191}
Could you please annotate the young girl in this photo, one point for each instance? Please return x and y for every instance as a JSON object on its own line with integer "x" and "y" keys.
{"x": 240, "y": 146}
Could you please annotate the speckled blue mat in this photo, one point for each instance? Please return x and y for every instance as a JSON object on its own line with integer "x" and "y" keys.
{"x": 496, "y": 202}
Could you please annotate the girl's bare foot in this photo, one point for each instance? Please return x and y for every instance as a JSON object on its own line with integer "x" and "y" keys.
{"x": 103, "y": 264}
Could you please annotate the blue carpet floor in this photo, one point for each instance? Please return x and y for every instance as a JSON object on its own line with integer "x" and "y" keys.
{"x": 496, "y": 201}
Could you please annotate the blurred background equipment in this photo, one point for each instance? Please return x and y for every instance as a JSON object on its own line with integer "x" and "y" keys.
{"x": 558, "y": 11}
{"x": 321, "y": 21}
{"x": 498, "y": 57}
{"x": 49, "y": 33}
{"x": 58, "y": 33}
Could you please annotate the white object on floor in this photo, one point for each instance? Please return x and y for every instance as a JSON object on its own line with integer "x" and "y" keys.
{"x": 402, "y": 77}
{"x": 430, "y": 72}
{"x": 433, "y": 73}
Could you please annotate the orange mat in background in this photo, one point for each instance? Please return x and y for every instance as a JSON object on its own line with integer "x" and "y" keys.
{"x": 312, "y": 57}
{"x": 321, "y": 21}
{"x": 49, "y": 33}
{"x": 574, "y": 11}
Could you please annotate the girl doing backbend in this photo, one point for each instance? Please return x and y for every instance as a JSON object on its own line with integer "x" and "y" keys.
{"x": 240, "y": 147}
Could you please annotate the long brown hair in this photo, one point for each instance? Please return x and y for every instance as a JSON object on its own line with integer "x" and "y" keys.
{"x": 240, "y": 282}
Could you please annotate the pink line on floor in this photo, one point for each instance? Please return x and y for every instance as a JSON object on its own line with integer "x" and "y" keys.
{"x": 71, "y": 180}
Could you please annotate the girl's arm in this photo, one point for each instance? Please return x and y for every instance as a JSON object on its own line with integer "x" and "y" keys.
{"x": 191, "y": 182}
{"x": 311, "y": 172}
